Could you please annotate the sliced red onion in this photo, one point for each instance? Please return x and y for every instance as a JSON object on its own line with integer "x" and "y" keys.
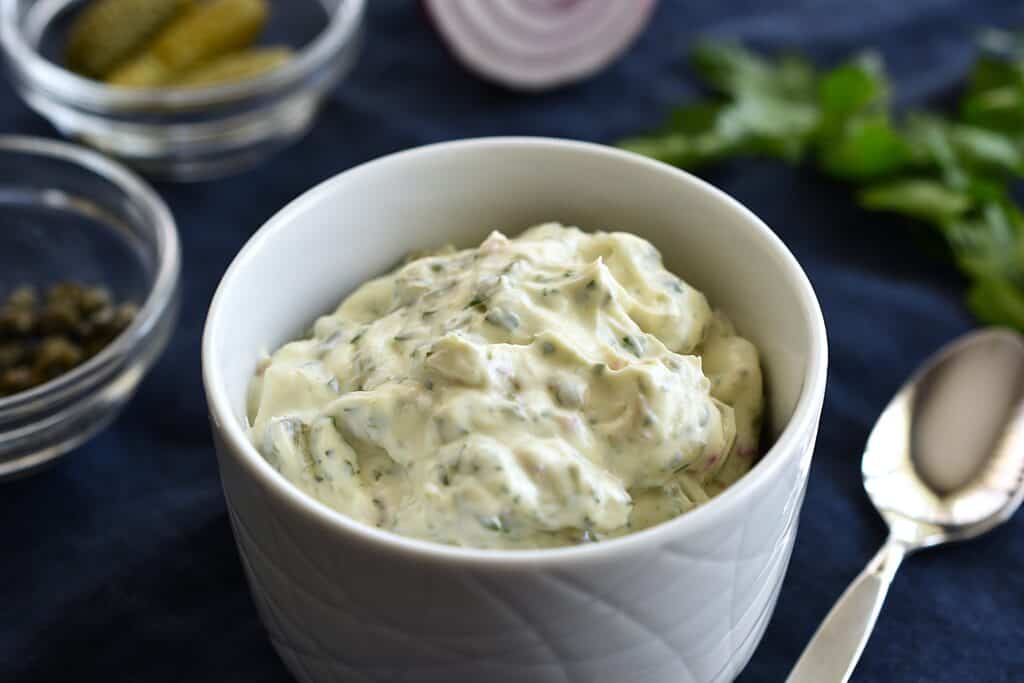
{"x": 538, "y": 44}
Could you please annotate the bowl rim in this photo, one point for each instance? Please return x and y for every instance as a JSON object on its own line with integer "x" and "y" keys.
{"x": 160, "y": 294}
{"x": 786, "y": 447}
{"x": 339, "y": 31}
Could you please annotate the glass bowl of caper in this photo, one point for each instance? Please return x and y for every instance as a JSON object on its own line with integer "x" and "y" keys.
{"x": 180, "y": 89}
{"x": 89, "y": 267}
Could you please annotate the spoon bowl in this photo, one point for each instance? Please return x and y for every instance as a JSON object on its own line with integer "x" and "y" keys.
{"x": 944, "y": 462}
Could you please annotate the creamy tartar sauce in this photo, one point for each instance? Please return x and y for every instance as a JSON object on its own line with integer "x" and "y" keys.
{"x": 557, "y": 388}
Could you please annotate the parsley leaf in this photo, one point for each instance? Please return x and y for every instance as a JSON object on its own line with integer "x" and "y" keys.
{"x": 920, "y": 198}
{"x": 954, "y": 173}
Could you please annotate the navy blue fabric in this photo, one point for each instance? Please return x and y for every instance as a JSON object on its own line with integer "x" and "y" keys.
{"x": 118, "y": 563}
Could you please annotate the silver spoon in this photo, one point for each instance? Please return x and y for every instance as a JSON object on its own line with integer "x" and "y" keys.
{"x": 944, "y": 462}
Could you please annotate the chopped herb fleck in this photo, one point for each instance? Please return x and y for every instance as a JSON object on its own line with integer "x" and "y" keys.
{"x": 633, "y": 344}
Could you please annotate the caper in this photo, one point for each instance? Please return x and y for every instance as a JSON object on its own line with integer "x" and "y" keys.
{"x": 23, "y": 297}
{"x": 41, "y": 340}
{"x": 124, "y": 315}
{"x": 59, "y": 317}
{"x": 16, "y": 321}
{"x": 102, "y": 319}
{"x": 17, "y": 379}
{"x": 55, "y": 356}
{"x": 93, "y": 299}
{"x": 64, "y": 292}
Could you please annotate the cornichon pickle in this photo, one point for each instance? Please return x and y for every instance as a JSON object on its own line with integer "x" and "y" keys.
{"x": 107, "y": 32}
{"x": 203, "y": 33}
{"x": 236, "y": 66}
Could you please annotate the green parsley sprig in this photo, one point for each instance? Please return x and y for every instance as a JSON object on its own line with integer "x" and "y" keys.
{"x": 952, "y": 172}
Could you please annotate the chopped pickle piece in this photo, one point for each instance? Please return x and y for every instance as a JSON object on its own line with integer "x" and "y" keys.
{"x": 237, "y": 66}
{"x": 107, "y": 32}
{"x": 204, "y": 33}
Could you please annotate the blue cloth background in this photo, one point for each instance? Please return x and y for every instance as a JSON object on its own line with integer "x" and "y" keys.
{"x": 118, "y": 563}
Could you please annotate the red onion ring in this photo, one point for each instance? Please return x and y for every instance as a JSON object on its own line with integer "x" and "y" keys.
{"x": 538, "y": 44}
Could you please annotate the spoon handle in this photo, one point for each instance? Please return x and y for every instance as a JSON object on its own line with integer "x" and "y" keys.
{"x": 835, "y": 649}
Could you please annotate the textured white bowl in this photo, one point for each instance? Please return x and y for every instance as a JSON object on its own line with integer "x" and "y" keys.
{"x": 684, "y": 601}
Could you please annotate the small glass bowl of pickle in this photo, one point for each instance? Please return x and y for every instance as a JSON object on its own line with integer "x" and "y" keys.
{"x": 180, "y": 89}
{"x": 89, "y": 269}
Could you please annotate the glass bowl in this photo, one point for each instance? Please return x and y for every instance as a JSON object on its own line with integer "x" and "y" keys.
{"x": 68, "y": 213}
{"x": 184, "y": 133}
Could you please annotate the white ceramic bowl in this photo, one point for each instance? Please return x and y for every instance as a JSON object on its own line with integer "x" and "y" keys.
{"x": 684, "y": 601}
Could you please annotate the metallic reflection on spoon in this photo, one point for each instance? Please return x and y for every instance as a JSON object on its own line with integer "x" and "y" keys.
{"x": 944, "y": 462}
